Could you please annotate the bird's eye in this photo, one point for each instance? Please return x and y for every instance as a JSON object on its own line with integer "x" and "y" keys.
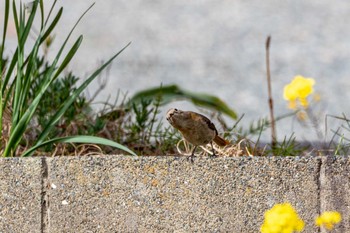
{"x": 175, "y": 109}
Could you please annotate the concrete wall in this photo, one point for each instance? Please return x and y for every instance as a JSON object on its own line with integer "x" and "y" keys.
{"x": 167, "y": 194}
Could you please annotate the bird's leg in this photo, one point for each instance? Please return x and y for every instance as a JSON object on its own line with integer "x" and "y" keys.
{"x": 212, "y": 148}
{"x": 192, "y": 154}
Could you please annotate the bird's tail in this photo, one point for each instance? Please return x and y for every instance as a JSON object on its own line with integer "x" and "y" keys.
{"x": 220, "y": 141}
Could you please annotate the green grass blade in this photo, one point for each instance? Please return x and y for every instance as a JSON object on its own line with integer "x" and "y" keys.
{"x": 29, "y": 24}
{"x": 15, "y": 17}
{"x": 42, "y": 14}
{"x": 19, "y": 60}
{"x": 173, "y": 92}
{"x": 51, "y": 10}
{"x": 11, "y": 67}
{"x": 56, "y": 59}
{"x": 69, "y": 56}
{"x": 71, "y": 32}
{"x": 6, "y": 17}
{"x": 52, "y": 25}
{"x": 18, "y": 129}
{"x": 55, "y": 118}
{"x": 79, "y": 139}
{"x": 9, "y": 72}
{"x": 23, "y": 29}
{"x": 2, "y": 47}
{"x": 31, "y": 68}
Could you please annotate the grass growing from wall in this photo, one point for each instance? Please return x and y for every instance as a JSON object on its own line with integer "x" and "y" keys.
{"x": 24, "y": 82}
{"x": 44, "y": 110}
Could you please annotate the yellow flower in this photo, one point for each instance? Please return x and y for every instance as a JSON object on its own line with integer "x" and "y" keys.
{"x": 298, "y": 90}
{"x": 328, "y": 219}
{"x": 282, "y": 218}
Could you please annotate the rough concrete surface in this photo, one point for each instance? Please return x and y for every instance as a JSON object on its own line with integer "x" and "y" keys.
{"x": 335, "y": 181}
{"x": 20, "y": 195}
{"x": 171, "y": 194}
{"x": 116, "y": 193}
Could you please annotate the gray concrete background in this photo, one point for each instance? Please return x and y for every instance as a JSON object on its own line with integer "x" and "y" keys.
{"x": 218, "y": 47}
{"x": 116, "y": 193}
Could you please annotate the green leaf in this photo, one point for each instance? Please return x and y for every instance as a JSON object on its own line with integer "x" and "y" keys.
{"x": 79, "y": 139}
{"x": 173, "y": 92}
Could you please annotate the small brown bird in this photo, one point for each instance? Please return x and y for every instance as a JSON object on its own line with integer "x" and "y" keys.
{"x": 195, "y": 128}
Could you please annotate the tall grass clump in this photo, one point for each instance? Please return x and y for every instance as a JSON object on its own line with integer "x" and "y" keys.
{"x": 19, "y": 100}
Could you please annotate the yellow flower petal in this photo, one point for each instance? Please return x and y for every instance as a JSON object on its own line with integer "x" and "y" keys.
{"x": 327, "y": 219}
{"x": 300, "y": 88}
{"x": 282, "y": 218}
{"x": 292, "y": 104}
{"x": 303, "y": 102}
{"x": 289, "y": 92}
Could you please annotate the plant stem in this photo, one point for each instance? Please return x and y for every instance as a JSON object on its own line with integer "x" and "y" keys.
{"x": 268, "y": 74}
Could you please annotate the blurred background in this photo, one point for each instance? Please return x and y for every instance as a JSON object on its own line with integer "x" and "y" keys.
{"x": 216, "y": 47}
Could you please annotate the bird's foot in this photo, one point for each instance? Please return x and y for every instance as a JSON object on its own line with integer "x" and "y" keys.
{"x": 191, "y": 158}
